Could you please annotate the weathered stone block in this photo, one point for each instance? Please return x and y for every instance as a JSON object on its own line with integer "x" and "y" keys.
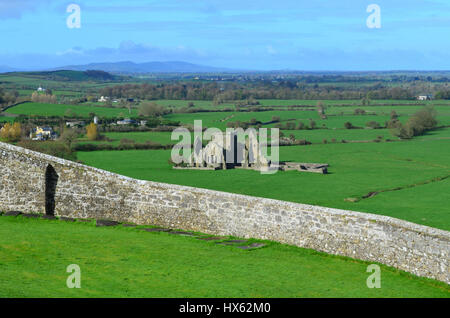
{"x": 29, "y": 215}
{"x": 48, "y": 217}
{"x": 106, "y": 223}
{"x": 13, "y": 213}
{"x": 67, "y": 219}
{"x": 156, "y": 229}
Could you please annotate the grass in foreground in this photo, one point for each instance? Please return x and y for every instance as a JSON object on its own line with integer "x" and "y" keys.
{"x": 126, "y": 262}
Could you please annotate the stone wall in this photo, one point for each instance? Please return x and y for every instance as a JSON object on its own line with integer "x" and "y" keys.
{"x": 86, "y": 192}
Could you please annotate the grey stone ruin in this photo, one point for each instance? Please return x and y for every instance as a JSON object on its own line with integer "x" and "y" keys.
{"x": 227, "y": 151}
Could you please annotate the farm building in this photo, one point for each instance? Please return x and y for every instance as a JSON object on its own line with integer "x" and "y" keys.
{"x": 103, "y": 99}
{"x": 43, "y": 133}
{"x": 424, "y": 97}
{"x": 127, "y": 121}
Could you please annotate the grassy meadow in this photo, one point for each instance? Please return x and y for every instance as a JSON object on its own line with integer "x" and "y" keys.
{"x": 42, "y": 109}
{"x": 127, "y": 262}
{"x": 355, "y": 170}
{"x": 162, "y": 137}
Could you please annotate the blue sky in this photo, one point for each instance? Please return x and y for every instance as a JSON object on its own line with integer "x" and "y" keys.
{"x": 243, "y": 34}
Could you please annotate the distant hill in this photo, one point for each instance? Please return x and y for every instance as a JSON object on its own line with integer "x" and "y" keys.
{"x": 6, "y": 69}
{"x": 70, "y": 75}
{"x": 149, "y": 67}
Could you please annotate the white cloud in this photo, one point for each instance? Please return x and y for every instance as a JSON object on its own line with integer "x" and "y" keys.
{"x": 74, "y": 50}
{"x": 14, "y": 9}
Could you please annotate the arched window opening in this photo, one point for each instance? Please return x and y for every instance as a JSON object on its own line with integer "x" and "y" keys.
{"x": 51, "y": 179}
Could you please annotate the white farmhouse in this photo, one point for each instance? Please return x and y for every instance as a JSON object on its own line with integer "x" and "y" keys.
{"x": 424, "y": 97}
{"x": 103, "y": 99}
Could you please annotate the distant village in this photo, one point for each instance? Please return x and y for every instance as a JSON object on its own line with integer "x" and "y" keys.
{"x": 47, "y": 133}
{"x": 42, "y": 133}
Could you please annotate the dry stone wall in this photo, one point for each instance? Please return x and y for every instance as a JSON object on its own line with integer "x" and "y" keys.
{"x": 87, "y": 192}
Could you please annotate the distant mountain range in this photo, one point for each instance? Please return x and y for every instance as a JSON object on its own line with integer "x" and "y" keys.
{"x": 70, "y": 75}
{"x": 128, "y": 67}
{"x": 149, "y": 67}
{"x": 5, "y": 69}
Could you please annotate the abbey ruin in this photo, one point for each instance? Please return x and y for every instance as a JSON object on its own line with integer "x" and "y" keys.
{"x": 230, "y": 150}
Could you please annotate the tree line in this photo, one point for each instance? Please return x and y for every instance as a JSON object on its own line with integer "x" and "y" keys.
{"x": 8, "y": 98}
{"x": 248, "y": 92}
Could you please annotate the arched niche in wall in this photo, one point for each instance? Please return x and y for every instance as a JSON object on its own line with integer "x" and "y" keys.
{"x": 51, "y": 180}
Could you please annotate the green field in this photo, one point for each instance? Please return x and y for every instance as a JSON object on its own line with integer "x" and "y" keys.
{"x": 61, "y": 82}
{"x": 348, "y": 102}
{"x": 127, "y": 262}
{"x": 139, "y": 137}
{"x": 334, "y": 120}
{"x": 314, "y": 136}
{"x": 283, "y": 103}
{"x": 198, "y": 104}
{"x": 60, "y": 110}
{"x": 337, "y": 115}
{"x": 28, "y": 92}
{"x": 355, "y": 170}
{"x": 320, "y": 135}
{"x": 4, "y": 119}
